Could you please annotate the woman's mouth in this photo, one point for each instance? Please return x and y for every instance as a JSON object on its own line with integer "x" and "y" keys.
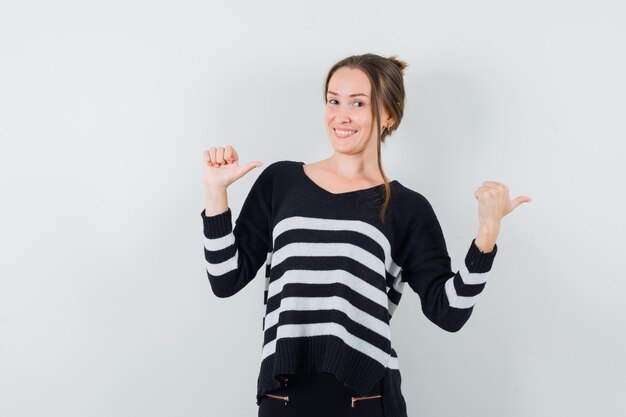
{"x": 342, "y": 134}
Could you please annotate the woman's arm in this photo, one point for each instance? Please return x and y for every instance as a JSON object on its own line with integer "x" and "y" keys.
{"x": 448, "y": 297}
{"x": 234, "y": 255}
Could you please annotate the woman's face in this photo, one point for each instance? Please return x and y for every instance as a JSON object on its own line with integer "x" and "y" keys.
{"x": 348, "y": 115}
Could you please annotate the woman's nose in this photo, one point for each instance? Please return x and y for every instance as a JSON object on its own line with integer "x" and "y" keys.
{"x": 342, "y": 115}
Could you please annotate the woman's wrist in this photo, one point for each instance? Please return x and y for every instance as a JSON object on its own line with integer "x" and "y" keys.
{"x": 486, "y": 238}
{"x": 215, "y": 200}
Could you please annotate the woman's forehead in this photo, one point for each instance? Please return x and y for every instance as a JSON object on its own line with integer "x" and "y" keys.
{"x": 349, "y": 81}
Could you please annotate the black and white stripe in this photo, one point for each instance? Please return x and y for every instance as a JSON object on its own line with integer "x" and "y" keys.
{"x": 340, "y": 265}
{"x": 334, "y": 276}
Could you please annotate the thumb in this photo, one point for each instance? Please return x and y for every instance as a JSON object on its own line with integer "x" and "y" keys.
{"x": 249, "y": 167}
{"x": 519, "y": 200}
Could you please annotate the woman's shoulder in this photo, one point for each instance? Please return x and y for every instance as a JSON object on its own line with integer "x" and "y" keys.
{"x": 411, "y": 208}
{"x": 281, "y": 165}
{"x": 409, "y": 198}
{"x": 276, "y": 169}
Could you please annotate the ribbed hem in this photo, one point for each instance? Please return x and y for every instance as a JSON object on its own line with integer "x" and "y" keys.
{"x": 218, "y": 225}
{"x": 477, "y": 261}
{"x": 319, "y": 354}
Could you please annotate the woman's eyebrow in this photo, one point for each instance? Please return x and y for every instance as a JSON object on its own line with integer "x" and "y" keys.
{"x": 351, "y": 95}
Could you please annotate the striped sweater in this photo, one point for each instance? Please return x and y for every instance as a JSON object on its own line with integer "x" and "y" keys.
{"x": 334, "y": 275}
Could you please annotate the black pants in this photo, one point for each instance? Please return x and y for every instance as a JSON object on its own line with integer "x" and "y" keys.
{"x": 319, "y": 395}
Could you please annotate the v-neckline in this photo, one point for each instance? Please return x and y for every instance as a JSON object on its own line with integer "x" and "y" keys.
{"x": 325, "y": 191}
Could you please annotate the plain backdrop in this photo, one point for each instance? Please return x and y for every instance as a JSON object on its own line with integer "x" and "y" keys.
{"x": 105, "y": 108}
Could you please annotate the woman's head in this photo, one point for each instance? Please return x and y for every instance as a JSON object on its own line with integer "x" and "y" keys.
{"x": 364, "y": 120}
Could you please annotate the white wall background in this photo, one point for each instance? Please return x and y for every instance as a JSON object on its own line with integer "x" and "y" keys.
{"x": 105, "y": 108}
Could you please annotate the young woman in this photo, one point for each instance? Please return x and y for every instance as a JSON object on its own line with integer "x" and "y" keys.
{"x": 339, "y": 241}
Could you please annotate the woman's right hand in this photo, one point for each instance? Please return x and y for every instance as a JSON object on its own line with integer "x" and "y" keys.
{"x": 221, "y": 166}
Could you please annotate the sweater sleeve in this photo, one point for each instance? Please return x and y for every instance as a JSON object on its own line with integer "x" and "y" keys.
{"x": 234, "y": 256}
{"x": 447, "y": 297}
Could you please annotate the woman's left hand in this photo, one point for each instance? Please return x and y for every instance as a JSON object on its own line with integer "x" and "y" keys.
{"x": 493, "y": 204}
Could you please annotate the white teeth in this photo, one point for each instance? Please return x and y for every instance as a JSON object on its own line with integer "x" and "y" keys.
{"x": 344, "y": 132}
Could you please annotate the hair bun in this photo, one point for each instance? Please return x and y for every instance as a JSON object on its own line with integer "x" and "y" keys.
{"x": 401, "y": 64}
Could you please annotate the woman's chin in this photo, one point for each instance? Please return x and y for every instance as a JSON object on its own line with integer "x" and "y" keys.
{"x": 338, "y": 144}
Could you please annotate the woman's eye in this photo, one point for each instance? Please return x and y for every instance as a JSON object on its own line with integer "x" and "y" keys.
{"x": 357, "y": 103}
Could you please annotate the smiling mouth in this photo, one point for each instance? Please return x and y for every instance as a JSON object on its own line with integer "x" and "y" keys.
{"x": 342, "y": 134}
